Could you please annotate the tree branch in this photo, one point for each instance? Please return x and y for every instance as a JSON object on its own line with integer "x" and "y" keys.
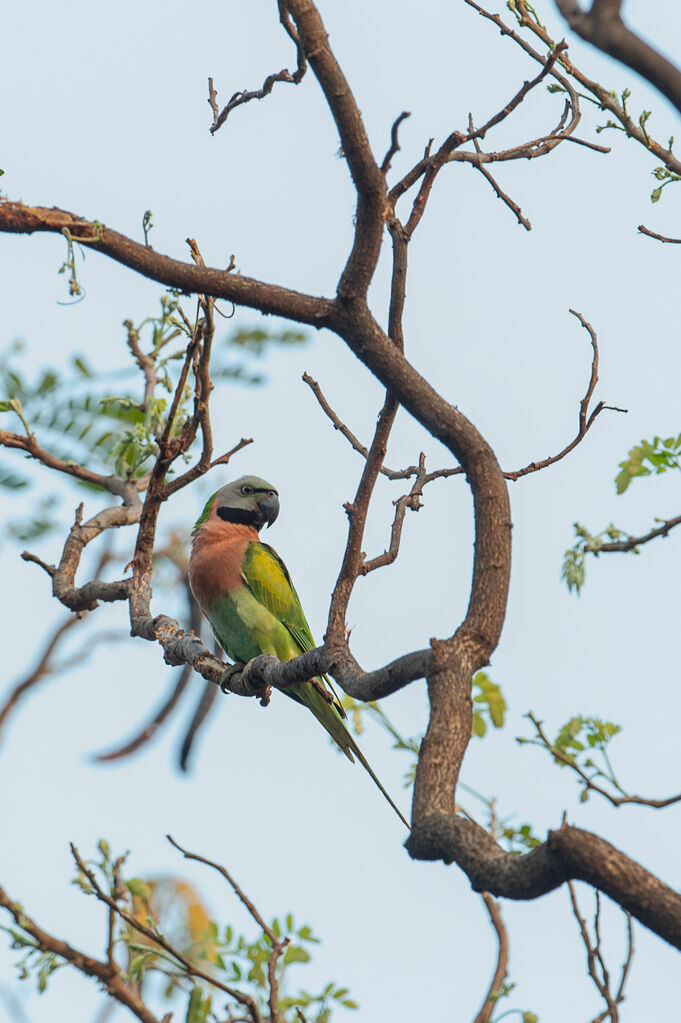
{"x": 602, "y": 26}
{"x": 658, "y": 237}
{"x": 567, "y": 854}
{"x": 490, "y": 1002}
{"x": 107, "y": 975}
{"x": 585, "y": 423}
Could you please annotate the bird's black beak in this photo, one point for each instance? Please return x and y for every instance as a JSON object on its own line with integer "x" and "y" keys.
{"x": 269, "y": 506}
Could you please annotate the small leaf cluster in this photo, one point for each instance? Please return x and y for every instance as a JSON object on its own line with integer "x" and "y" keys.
{"x": 518, "y": 839}
{"x": 489, "y": 707}
{"x": 578, "y": 741}
{"x": 665, "y": 176}
{"x": 489, "y": 704}
{"x": 505, "y": 991}
{"x": 647, "y": 458}
{"x": 74, "y": 414}
{"x": 573, "y": 572}
{"x": 36, "y": 962}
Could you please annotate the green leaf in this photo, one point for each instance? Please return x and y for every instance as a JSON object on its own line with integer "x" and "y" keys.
{"x": 138, "y": 888}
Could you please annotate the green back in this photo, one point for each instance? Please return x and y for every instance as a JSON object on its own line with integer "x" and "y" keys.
{"x": 267, "y": 577}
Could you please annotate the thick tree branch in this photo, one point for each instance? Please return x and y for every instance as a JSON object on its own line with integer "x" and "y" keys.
{"x": 367, "y": 176}
{"x": 602, "y": 26}
{"x": 567, "y": 854}
{"x": 267, "y": 298}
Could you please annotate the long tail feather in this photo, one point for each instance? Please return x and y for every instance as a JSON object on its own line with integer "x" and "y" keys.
{"x": 328, "y": 716}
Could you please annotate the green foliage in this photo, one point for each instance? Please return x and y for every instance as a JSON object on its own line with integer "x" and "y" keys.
{"x": 666, "y": 177}
{"x": 648, "y": 457}
{"x": 74, "y": 414}
{"x": 645, "y": 459}
{"x": 489, "y": 708}
{"x": 489, "y": 704}
{"x": 505, "y": 991}
{"x": 518, "y": 839}
{"x": 237, "y": 960}
{"x": 573, "y": 572}
{"x": 583, "y": 743}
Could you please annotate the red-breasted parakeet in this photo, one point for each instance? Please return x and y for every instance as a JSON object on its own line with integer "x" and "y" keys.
{"x": 245, "y": 591}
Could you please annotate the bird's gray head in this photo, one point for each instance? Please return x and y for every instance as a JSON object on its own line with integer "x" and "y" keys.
{"x": 249, "y": 500}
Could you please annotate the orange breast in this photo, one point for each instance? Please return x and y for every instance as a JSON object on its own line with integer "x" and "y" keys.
{"x": 217, "y": 558}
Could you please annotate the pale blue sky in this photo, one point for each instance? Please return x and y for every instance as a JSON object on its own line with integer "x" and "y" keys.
{"x": 105, "y": 114}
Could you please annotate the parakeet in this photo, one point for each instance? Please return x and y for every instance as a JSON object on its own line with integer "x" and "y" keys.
{"x": 245, "y": 591}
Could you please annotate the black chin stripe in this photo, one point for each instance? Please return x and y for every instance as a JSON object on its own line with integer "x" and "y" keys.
{"x": 241, "y": 516}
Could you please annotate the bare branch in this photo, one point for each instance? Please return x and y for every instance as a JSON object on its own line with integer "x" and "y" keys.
{"x": 149, "y": 729}
{"x": 367, "y": 177}
{"x": 219, "y": 117}
{"x": 392, "y": 474}
{"x": 200, "y": 715}
{"x": 394, "y": 141}
{"x": 596, "y": 966}
{"x": 658, "y": 237}
{"x": 513, "y": 206}
{"x": 42, "y": 668}
{"x": 410, "y": 500}
{"x": 237, "y": 288}
{"x": 114, "y": 484}
{"x": 488, "y": 1006}
{"x": 585, "y": 423}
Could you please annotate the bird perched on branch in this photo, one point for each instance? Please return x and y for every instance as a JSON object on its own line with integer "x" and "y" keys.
{"x": 245, "y": 591}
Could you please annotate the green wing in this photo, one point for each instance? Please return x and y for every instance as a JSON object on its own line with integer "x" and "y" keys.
{"x": 267, "y": 577}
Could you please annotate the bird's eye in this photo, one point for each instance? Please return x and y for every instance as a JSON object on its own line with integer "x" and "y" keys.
{"x": 271, "y": 493}
{"x": 246, "y": 489}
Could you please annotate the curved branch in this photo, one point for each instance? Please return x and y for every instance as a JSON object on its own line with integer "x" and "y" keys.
{"x": 488, "y": 1006}
{"x": 586, "y": 421}
{"x": 602, "y": 26}
{"x": 367, "y": 176}
{"x": 567, "y": 854}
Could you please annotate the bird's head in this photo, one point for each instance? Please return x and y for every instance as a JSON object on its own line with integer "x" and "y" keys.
{"x": 248, "y": 501}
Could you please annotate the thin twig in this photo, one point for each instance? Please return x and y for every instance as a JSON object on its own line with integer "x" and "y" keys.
{"x": 544, "y": 742}
{"x": 278, "y": 946}
{"x": 585, "y": 423}
{"x": 633, "y": 542}
{"x": 220, "y": 116}
{"x": 501, "y": 968}
{"x": 154, "y": 936}
{"x": 513, "y": 206}
{"x": 394, "y": 141}
{"x": 659, "y": 237}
